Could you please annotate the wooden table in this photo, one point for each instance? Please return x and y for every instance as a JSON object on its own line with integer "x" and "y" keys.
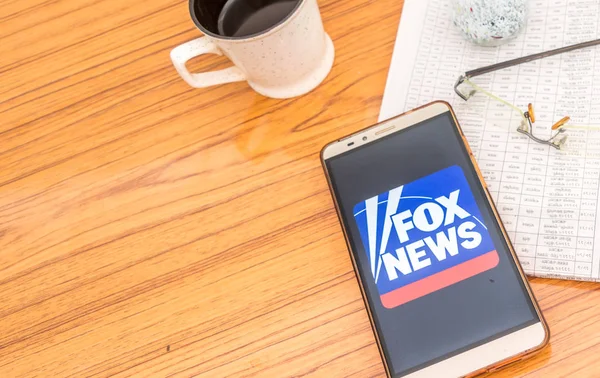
{"x": 152, "y": 229}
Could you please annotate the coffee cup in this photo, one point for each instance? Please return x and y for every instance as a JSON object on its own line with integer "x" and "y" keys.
{"x": 278, "y": 46}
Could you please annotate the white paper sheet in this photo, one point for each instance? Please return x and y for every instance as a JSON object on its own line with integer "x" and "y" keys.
{"x": 548, "y": 199}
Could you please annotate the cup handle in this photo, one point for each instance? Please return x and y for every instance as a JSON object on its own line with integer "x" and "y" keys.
{"x": 200, "y": 46}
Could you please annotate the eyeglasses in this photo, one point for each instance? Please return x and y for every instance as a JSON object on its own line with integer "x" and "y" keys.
{"x": 558, "y": 135}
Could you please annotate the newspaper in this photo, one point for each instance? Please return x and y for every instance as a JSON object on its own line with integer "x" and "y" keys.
{"x": 547, "y": 199}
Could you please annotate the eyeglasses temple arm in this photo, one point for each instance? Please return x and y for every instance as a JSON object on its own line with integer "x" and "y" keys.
{"x": 529, "y": 58}
{"x": 516, "y": 61}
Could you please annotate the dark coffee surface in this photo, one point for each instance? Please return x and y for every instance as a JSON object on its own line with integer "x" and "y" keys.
{"x": 241, "y": 18}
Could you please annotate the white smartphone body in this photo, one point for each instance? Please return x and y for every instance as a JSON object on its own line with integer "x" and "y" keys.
{"x": 440, "y": 279}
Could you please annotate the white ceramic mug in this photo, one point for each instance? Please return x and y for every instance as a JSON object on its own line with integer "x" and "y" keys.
{"x": 289, "y": 59}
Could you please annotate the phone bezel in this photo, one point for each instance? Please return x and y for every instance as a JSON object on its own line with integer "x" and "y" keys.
{"x": 489, "y": 356}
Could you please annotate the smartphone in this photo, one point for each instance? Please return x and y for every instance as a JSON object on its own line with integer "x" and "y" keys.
{"x": 440, "y": 279}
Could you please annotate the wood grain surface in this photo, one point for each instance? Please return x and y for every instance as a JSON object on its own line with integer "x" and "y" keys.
{"x": 151, "y": 229}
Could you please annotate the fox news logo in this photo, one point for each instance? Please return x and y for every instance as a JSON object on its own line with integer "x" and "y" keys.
{"x": 424, "y": 236}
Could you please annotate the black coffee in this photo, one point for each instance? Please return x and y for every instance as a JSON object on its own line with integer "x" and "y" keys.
{"x": 240, "y": 18}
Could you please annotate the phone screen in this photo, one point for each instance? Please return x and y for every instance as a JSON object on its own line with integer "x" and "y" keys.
{"x": 438, "y": 274}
